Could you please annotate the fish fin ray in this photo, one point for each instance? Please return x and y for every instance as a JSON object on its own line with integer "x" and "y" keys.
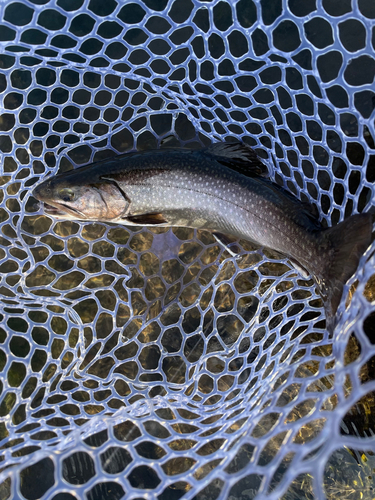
{"x": 239, "y": 157}
{"x": 299, "y": 268}
{"x": 228, "y": 242}
{"x": 170, "y": 141}
{"x": 348, "y": 240}
{"x": 152, "y": 219}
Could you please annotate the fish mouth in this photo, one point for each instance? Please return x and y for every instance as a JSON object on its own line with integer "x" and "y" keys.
{"x": 61, "y": 211}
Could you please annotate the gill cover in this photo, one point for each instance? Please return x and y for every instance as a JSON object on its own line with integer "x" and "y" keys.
{"x": 104, "y": 201}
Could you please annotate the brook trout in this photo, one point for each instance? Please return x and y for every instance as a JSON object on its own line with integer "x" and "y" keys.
{"x": 224, "y": 189}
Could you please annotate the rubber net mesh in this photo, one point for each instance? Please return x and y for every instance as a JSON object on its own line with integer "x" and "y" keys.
{"x": 146, "y": 363}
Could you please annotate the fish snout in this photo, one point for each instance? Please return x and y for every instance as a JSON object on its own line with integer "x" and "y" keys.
{"x": 42, "y": 191}
{"x": 36, "y": 192}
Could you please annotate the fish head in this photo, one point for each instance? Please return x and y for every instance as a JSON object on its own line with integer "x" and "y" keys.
{"x": 64, "y": 197}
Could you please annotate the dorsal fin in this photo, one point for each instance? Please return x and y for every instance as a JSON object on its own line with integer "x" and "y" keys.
{"x": 239, "y": 157}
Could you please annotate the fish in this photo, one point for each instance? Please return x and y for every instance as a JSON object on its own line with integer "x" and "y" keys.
{"x": 224, "y": 188}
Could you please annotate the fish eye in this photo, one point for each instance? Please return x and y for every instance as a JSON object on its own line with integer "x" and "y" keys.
{"x": 66, "y": 194}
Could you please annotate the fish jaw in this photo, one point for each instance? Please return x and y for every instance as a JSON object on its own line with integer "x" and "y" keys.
{"x": 60, "y": 211}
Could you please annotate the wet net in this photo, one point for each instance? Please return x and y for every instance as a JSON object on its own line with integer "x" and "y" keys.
{"x": 140, "y": 363}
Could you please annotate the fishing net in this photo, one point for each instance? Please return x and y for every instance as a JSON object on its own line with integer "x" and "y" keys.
{"x": 152, "y": 363}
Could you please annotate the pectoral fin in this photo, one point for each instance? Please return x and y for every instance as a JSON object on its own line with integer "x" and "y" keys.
{"x": 147, "y": 219}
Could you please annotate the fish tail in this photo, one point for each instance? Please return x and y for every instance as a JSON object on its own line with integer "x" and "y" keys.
{"x": 347, "y": 241}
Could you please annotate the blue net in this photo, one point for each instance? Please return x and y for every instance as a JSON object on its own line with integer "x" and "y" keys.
{"x": 151, "y": 363}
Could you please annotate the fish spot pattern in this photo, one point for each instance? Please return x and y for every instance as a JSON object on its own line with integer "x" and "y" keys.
{"x": 155, "y": 362}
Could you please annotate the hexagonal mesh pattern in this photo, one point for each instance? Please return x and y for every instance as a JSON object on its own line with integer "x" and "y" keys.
{"x": 151, "y": 363}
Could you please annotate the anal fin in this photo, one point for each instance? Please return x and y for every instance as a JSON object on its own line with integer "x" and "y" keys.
{"x": 229, "y": 242}
{"x": 299, "y": 268}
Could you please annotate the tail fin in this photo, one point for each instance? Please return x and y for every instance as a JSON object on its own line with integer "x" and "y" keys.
{"x": 349, "y": 240}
